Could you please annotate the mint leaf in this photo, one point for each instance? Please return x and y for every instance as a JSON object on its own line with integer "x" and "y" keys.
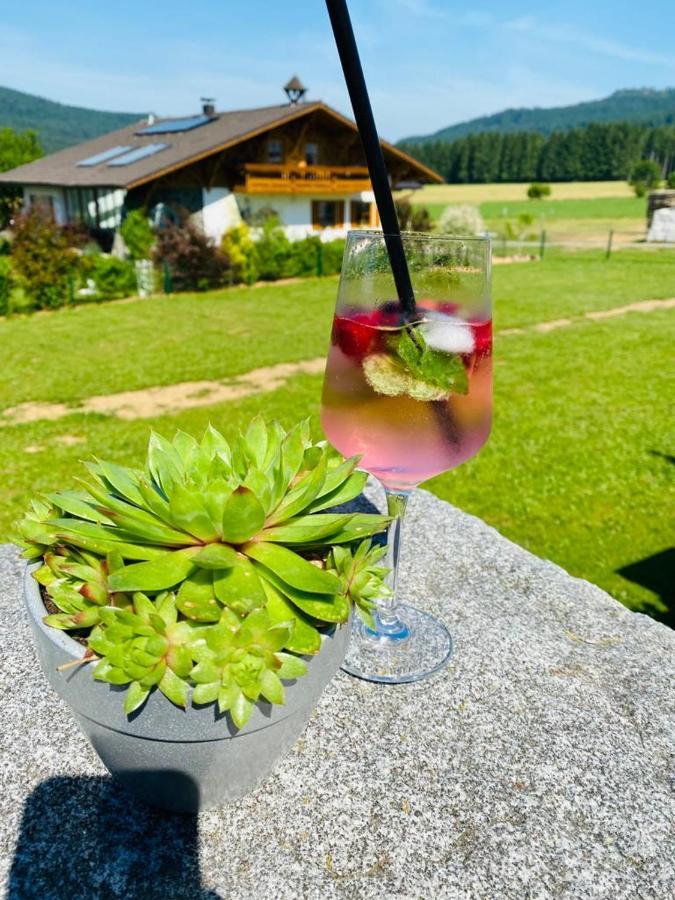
{"x": 441, "y": 370}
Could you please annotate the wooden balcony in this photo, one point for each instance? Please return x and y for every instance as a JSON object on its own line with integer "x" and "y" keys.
{"x": 278, "y": 178}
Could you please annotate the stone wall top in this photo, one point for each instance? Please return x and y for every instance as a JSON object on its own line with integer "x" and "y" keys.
{"x": 541, "y": 763}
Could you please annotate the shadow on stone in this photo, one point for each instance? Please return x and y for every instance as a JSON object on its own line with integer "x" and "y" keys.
{"x": 657, "y": 574}
{"x": 87, "y": 837}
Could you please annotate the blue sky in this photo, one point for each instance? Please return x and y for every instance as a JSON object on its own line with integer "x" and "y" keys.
{"x": 429, "y": 63}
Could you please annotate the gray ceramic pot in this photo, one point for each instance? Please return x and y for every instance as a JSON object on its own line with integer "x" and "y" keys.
{"x": 182, "y": 760}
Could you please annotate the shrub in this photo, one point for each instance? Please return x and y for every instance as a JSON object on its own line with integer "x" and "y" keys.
{"x": 537, "y": 191}
{"x": 249, "y": 578}
{"x": 413, "y": 218}
{"x": 193, "y": 260}
{"x": 137, "y": 234}
{"x": 43, "y": 258}
{"x": 239, "y": 247}
{"x": 113, "y": 277}
{"x": 671, "y": 179}
{"x": 645, "y": 176}
{"x": 331, "y": 254}
{"x": 273, "y": 252}
{"x": 6, "y": 285}
{"x": 460, "y": 220}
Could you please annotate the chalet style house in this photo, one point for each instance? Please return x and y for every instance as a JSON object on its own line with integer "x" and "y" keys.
{"x": 301, "y": 159}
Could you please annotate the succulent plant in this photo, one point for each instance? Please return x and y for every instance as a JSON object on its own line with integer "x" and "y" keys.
{"x": 210, "y": 567}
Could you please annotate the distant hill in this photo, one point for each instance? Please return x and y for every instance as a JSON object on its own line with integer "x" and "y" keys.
{"x": 634, "y": 105}
{"x": 57, "y": 125}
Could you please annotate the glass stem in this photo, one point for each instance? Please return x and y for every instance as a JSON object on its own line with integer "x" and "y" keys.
{"x": 386, "y": 616}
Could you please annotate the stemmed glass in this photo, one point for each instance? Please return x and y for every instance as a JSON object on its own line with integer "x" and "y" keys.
{"x": 411, "y": 393}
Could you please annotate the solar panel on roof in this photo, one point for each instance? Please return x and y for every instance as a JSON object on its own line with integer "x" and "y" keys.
{"x": 176, "y": 125}
{"x": 137, "y": 154}
{"x": 104, "y": 156}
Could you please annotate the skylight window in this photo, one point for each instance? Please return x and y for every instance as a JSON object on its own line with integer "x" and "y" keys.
{"x": 176, "y": 125}
{"x": 104, "y": 156}
{"x": 138, "y": 154}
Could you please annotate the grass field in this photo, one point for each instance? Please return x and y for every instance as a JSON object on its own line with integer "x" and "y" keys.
{"x": 583, "y": 211}
{"x": 578, "y": 467}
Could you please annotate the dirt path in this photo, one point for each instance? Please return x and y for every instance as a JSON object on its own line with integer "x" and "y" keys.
{"x": 155, "y": 401}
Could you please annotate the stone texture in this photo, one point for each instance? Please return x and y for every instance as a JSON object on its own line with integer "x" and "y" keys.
{"x": 540, "y": 764}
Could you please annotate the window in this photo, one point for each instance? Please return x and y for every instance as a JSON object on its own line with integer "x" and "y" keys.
{"x": 44, "y": 201}
{"x": 328, "y": 213}
{"x": 275, "y": 151}
{"x": 361, "y": 213}
{"x": 312, "y": 154}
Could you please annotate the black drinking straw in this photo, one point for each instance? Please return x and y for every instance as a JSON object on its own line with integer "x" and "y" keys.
{"x": 363, "y": 113}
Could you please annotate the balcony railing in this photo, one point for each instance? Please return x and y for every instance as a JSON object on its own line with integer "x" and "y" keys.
{"x": 278, "y": 178}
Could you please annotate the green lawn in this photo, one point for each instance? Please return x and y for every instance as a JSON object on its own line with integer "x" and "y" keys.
{"x": 577, "y": 468}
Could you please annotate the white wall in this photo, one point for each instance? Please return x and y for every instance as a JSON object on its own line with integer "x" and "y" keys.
{"x": 295, "y": 211}
{"x": 219, "y": 212}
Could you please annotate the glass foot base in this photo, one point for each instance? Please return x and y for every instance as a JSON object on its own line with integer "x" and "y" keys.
{"x": 417, "y": 647}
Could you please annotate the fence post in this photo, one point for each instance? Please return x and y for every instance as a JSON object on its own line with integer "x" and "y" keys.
{"x": 542, "y": 243}
{"x": 609, "y": 243}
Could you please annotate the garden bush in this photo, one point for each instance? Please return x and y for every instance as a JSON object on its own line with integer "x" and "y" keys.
{"x": 645, "y": 176}
{"x": 43, "y": 258}
{"x": 113, "y": 277}
{"x": 6, "y": 285}
{"x": 458, "y": 220}
{"x": 193, "y": 260}
{"x": 137, "y": 234}
{"x": 537, "y": 191}
{"x": 238, "y": 245}
{"x": 273, "y": 251}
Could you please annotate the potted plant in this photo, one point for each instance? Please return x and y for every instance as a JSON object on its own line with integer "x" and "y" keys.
{"x": 192, "y": 611}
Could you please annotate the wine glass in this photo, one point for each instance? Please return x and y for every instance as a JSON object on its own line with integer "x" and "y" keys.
{"x": 410, "y": 392}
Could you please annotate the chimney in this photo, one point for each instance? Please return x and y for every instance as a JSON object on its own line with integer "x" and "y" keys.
{"x": 208, "y": 106}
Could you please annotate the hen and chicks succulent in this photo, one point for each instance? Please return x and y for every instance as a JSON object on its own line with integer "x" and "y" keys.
{"x": 212, "y": 571}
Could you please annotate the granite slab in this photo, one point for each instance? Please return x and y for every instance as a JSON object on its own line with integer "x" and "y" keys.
{"x": 539, "y": 764}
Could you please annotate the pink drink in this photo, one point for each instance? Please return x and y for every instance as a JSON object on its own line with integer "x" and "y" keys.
{"x": 411, "y": 410}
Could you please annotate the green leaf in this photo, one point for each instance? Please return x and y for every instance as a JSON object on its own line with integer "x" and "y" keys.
{"x": 361, "y": 526}
{"x": 256, "y": 440}
{"x": 215, "y": 556}
{"x": 135, "y": 697}
{"x": 301, "y": 495}
{"x": 241, "y": 710}
{"x": 271, "y": 688}
{"x": 307, "y": 529}
{"x": 188, "y": 511}
{"x": 155, "y": 575}
{"x": 196, "y": 598}
{"x": 347, "y": 491}
{"x": 205, "y": 693}
{"x": 164, "y": 463}
{"x": 304, "y": 638}
{"x": 76, "y": 504}
{"x": 293, "y": 569}
{"x": 239, "y": 587}
{"x": 215, "y": 495}
{"x": 123, "y": 480}
{"x": 292, "y": 453}
{"x": 174, "y": 688}
{"x": 243, "y": 516}
{"x": 292, "y": 667}
{"x": 333, "y": 608}
{"x": 433, "y": 367}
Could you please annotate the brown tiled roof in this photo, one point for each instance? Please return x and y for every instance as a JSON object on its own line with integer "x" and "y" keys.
{"x": 227, "y": 129}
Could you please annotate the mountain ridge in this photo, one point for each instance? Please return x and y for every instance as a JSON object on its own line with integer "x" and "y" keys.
{"x": 645, "y": 105}
{"x": 58, "y": 125}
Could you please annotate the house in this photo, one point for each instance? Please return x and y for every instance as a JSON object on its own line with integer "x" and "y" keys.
{"x": 301, "y": 159}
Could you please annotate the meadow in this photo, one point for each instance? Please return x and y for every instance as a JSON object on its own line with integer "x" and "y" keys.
{"x": 581, "y": 211}
{"x": 577, "y": 468}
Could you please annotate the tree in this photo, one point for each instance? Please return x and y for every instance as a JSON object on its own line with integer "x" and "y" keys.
{"x": 537, "y": 191}
{"x": 645, "y": 176}
{"x": 16, "y": 149}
